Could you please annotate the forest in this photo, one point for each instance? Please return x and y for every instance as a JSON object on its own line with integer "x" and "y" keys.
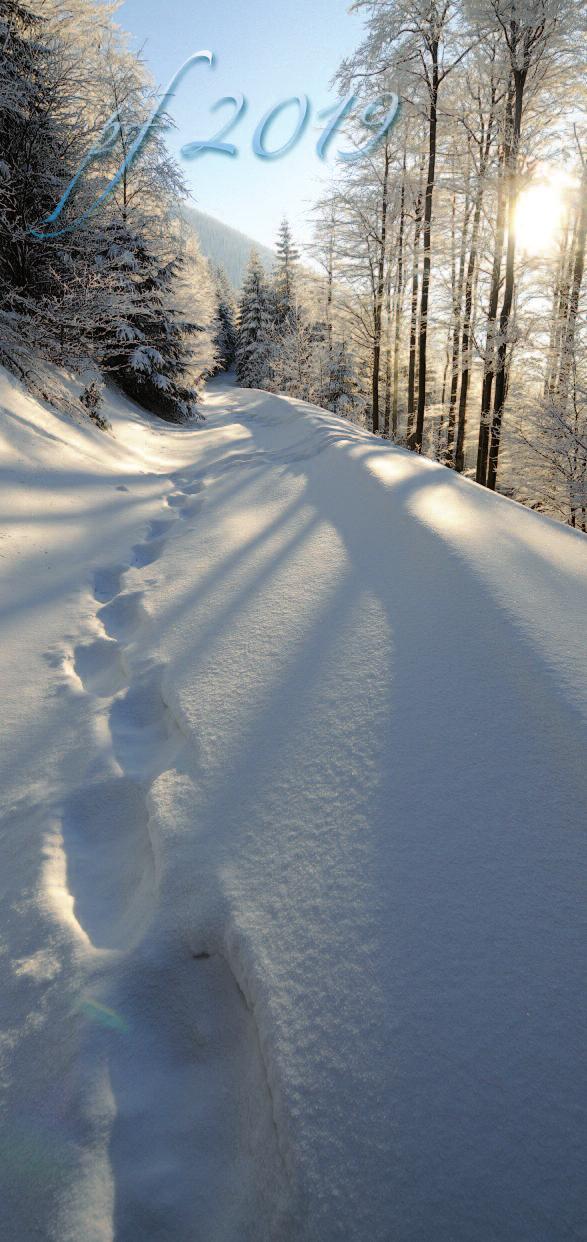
{"x": 441, "y": 304}
{"x": 452, "y": 300}
{"x": 292, "y": 616}
{"x": 125, "y": 291}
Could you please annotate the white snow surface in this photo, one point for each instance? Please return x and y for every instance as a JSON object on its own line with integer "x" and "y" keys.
{"x": 293, "y": 838}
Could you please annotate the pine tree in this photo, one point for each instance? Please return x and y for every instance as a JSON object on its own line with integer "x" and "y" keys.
{"x": 254, "y": 347}
{"x": 149, "y": 338}
{"x": 33, "y": 166}
{"x": 147, "y": 346}
{"x": 285, "y": 275}
{"x": 342, "y": 390}
{"x": 107, "y": 284}
{"x": 225, "y": 336}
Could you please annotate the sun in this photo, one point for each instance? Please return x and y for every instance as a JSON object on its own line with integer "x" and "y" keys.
{"x": 539, "y": 213}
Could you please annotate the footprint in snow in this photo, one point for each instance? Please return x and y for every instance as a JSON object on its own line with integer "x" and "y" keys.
{"x": 159, "y": 526}
{"x": 192, "y": 489}
{"x": 185, "y": 504}
{"x": 147, "y": 553}
{"x": 145, "y": 738}
{"x": 122, "y": 616}
{"x": 99, "y": 666}
{"x": 109, "y": 860}
{"x": 108, "y": 582}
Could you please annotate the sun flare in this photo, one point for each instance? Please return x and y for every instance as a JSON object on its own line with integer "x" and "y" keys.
{"x": 539, "y": 215}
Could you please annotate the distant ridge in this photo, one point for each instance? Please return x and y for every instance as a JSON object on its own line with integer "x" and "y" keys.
{"x": 222, "y": 244}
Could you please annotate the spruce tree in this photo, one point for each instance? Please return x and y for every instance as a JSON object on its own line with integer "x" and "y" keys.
{"x": 285, "y": 275}
{"x": 254, "y": 346}
{"x": 107, "y": 284}
{"x": 225, "y": 336}
{"x": 342, "y": 390}
{"x": 33, "y": 169}
{"x": 146, "y": 346}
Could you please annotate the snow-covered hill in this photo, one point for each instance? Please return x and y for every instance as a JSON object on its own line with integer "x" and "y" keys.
{"x": 225, "y": 246}
{"x": 293, "y": 849}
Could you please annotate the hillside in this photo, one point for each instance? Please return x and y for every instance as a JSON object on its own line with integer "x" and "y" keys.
{"x": 293, "y": 855}
{"x": 226, "y": 246}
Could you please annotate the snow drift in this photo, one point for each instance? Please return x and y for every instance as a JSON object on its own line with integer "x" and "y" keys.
{"x": 293, "y": 851}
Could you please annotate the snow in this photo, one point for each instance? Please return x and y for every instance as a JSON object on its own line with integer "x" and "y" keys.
{"x": 293, "y": 850}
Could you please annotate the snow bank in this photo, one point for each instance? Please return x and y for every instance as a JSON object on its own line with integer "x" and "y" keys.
{"x": 292, "y": 861}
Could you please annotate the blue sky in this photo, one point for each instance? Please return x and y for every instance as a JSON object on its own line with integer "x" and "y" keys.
{"x": 269, "y": 51}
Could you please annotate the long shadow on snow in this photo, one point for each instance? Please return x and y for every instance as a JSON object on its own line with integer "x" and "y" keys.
{"x": 456, "y": 862}
{"x": 479, "y": 857}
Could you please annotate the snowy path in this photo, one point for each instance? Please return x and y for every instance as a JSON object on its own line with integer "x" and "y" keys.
{"x": 294, "y": 853}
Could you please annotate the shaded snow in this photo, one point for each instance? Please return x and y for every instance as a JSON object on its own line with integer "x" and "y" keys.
{"x": 293, "y": 857}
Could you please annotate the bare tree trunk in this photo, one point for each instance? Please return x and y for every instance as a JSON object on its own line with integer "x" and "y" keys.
{"x": 329, "y": 293}
{"x": 501, "y": 372}
{"x": 379, "y": 292}
{"x": 489, "y": 363}
{"x": 447, "y": 357}
{"x": 560, "y": 302}
{"x": 469, "y": 287}
{"x": 578, "y": 267}
{"x": 399, "y": 286}
{"x": 457, "y": 317}
{"x": 388, "y": 334}
{"x": 414, "y": 315}
{"x": 446, "y": 366}
{"x": 418, "y": 434}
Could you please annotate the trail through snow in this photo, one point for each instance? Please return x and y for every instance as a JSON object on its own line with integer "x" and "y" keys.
{"x": 293, "y": 845}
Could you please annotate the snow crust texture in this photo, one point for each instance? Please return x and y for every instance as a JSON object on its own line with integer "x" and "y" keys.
{"x": 293, "y": 849}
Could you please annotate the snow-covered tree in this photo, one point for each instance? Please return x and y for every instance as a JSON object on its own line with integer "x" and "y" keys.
{"x": 195, "y": 300}
{"x": 108, "y": 283}
{"x": 295, "y": 366}
{"x": 285, "y": 275}
{"x": 225, "y": 333}
{"x": 342, "y": 395}
{"x": 147, "y": 346}
{"x": 35, "y": 163}
{"x": 254, "y": 349}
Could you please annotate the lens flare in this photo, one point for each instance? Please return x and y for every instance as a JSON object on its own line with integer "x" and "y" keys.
{"x": 96, "y": 1012}
{"x": 539, "y": 213}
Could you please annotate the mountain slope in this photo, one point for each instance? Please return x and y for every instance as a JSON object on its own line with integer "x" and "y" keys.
{"x": 292, "y": 862}
{"x": 226, "y": 246}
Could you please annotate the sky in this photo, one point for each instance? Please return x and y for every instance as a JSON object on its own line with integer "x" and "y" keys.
{"x": 268, "y": 50}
